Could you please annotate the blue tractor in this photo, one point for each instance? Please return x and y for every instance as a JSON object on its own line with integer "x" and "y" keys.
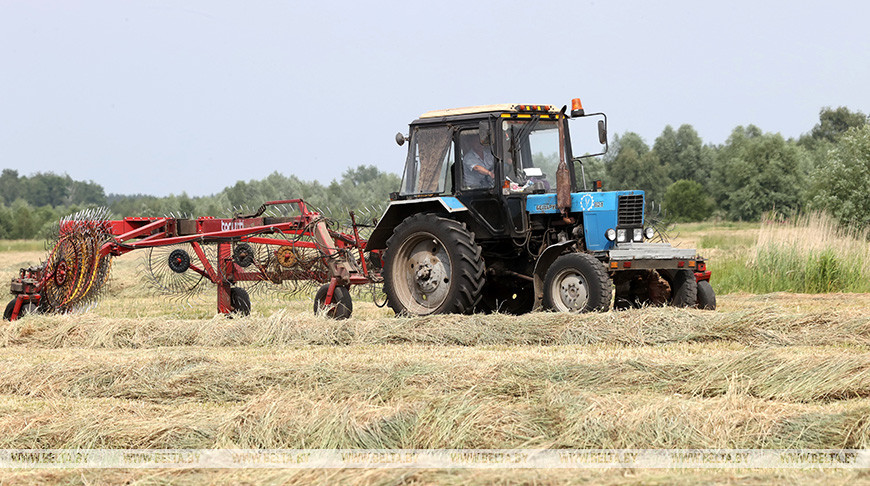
{"x": 494, "y": 214}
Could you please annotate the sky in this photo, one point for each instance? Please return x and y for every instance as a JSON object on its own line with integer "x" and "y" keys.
{"x": 160, "y": 97}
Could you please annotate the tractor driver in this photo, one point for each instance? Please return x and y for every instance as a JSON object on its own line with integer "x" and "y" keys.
{"x": 477, "y": 163}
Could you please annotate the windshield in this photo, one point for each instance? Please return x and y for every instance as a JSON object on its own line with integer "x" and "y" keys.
{"x": 532, "y": 154}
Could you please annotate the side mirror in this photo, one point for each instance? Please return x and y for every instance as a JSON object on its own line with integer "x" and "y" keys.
{"x": 584, "y": 139}
{"x": 483, "y": 130}
{"x": 401, "y": 139}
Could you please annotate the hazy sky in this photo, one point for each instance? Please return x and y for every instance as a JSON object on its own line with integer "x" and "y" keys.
{"x": 162, "y": 97}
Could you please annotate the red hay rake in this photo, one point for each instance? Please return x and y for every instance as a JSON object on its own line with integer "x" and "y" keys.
{"x": 244, "y": 249}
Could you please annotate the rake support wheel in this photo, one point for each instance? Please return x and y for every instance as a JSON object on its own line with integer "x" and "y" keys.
{"x": 7, "y": 314}
{"x": 240, "y": 301}
{"x": 341, "y": 306}
{"x": 26, "y": 308}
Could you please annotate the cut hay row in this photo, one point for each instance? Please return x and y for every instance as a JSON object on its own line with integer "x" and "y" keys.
{"x": 378, "y": 375}
{"x": 770, "y": 325}
{"x": 695, "y": 396}
{"x": 553, "y": 418}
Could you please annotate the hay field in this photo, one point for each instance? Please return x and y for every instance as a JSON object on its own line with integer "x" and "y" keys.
{"x": 764, "y": 371}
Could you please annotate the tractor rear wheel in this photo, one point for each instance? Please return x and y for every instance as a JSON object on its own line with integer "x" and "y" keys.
{"x": 432, "y": 265}
{"x": 577, "y": 282}
{"x": 341, "y": 306}
{"x": 706, "y": 296}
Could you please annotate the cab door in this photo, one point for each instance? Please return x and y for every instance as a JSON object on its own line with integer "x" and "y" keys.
{"x": 514, "y": 200}
{"x": 516, "y": 214}
{"x": 478, "y": 177}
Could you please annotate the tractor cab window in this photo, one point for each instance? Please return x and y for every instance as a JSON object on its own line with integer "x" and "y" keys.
{"x": 532, "y": 154}
{"x": 427, "y": 170}
{"x": 478, "y": 164}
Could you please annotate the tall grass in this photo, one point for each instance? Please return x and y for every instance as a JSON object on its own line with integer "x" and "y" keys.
{"x": 807, "y": 253}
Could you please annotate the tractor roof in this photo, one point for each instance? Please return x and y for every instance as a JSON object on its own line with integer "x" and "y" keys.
{"x": 502, "y": 108}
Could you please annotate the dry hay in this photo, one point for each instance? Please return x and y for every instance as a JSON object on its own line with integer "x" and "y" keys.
{"x": 771, "y": 371}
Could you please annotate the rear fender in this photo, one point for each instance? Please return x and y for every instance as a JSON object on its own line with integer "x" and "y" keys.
{"x": 397, "y": 211}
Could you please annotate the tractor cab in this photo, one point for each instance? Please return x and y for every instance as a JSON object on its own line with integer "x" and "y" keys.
{"x": 488, "y": 159}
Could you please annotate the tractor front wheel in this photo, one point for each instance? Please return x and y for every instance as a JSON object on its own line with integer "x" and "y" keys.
{"x": 432, "y": 265}
{"x": 577, "y": 282}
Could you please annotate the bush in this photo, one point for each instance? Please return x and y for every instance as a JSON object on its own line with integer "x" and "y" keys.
{"x": 839, "y": 186}
{"x": 687, "y": 201}
{"x": 757, "y": 172}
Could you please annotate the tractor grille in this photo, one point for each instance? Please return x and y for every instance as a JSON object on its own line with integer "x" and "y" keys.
{"x": 630, "y": 211}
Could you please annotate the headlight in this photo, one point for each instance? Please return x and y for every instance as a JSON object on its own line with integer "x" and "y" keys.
{"x": 621, "y": 235}
{"x": 610, "y": 234}
{"x": 637, "y": 234}
{"x": 649, "y": 232}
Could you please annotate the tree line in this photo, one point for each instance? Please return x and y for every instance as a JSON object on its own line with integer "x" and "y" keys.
{"x": 27, "y": 210}
{"x": 685, "y": 179}
{"x": 827, "y": 168}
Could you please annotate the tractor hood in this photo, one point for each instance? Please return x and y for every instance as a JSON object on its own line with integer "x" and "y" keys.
{"x": 600, "y": 211}
{"x": 580, "y": 201}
